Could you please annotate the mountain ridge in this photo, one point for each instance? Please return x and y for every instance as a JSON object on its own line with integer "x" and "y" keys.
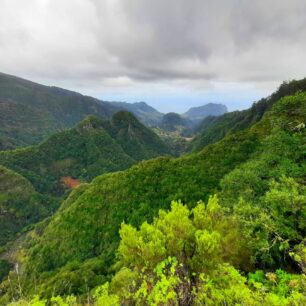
{"x": 35, "y": 179}
{"x": 136, "y": 195}
{"x": 93, "y": 146}
{"x": 44, "y": 110}
{"x": 213, "y": 129}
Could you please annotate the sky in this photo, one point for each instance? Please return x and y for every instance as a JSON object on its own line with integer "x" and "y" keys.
{"x": 173, "y": 54}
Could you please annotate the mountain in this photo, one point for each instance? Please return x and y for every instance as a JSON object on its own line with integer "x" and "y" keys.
{"x": 214, "y": 128}
{"x": 29, "y": 112}
{"x": 20, "y": 204}
{"x": 21, "y": 125}
{"x": 66, "y": 107}
{"x": 34, "y": 180}
{"x": 173, "y": 122}
{"x": 144, "y": 112}
{"x": 258, "y": 173}
{"x": 151, "y": 117}
{"x": 178, "y": 126}
{"x": 201, "y": 112}
{"x": 137, "y": 140}
{"x": 92, "y": 147}
{"x": 174, "y": 130}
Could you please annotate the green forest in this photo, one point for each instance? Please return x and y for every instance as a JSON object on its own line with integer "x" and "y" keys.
{"x": 223, "y": 224}
{"x": 152, "y": 153}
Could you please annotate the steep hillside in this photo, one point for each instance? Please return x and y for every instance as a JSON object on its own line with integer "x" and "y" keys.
{"x": 214, "y": 128}
{"x": 21, "y": 125}
{"x": 65, "y": 106}
{"x": 78, "y": 245}
{"x": 137, "y": 140}
{"x": 92, "y": 147}
{"x": 20, "y": 204}
{"x": 43, "y": 109}
{"x": 30, "y": 111}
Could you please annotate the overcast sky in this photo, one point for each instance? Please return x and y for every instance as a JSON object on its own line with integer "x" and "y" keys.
{"x": 171, "y": 53}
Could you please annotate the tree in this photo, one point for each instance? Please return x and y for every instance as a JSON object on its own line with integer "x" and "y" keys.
{"x": 166, "y": 262}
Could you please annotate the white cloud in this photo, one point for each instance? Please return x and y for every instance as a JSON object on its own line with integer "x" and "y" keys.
{"x": 141, "y": 44}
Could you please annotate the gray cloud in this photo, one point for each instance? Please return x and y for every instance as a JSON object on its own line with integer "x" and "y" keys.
{"x": 126, "y": 44}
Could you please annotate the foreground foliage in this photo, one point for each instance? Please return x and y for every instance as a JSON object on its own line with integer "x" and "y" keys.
{"x": 190, "y": 262}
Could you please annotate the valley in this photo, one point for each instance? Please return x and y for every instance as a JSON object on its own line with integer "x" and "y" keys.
{"x": 99, "y": 201}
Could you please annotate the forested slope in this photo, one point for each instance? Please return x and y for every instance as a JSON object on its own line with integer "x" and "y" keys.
{"x": 92, "y": 147}
{"x": 42, "y": 176}
{"x": 214, "y": 128}
{"x": 30, "y": 112}
{"x": 253, "y": 171}
{"x": 55, "y": 107}
{"x": 20, "y": 204}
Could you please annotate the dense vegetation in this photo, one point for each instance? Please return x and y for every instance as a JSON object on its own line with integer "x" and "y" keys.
{"x": 20, "y": 204}
{"x": 45, "y": 173}
{"x": 259, "y": 176}
{"x": 21, "y": 125}
{"x": 93, "y": 147}
{"x": 191, "y": 262}
{"x": 30, "y": 112}
{"x": 215, "y": 128}
{"x": 42, "y": 109}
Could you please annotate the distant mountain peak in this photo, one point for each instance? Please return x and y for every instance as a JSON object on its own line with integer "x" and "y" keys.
{"x": 209, "y": 109}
